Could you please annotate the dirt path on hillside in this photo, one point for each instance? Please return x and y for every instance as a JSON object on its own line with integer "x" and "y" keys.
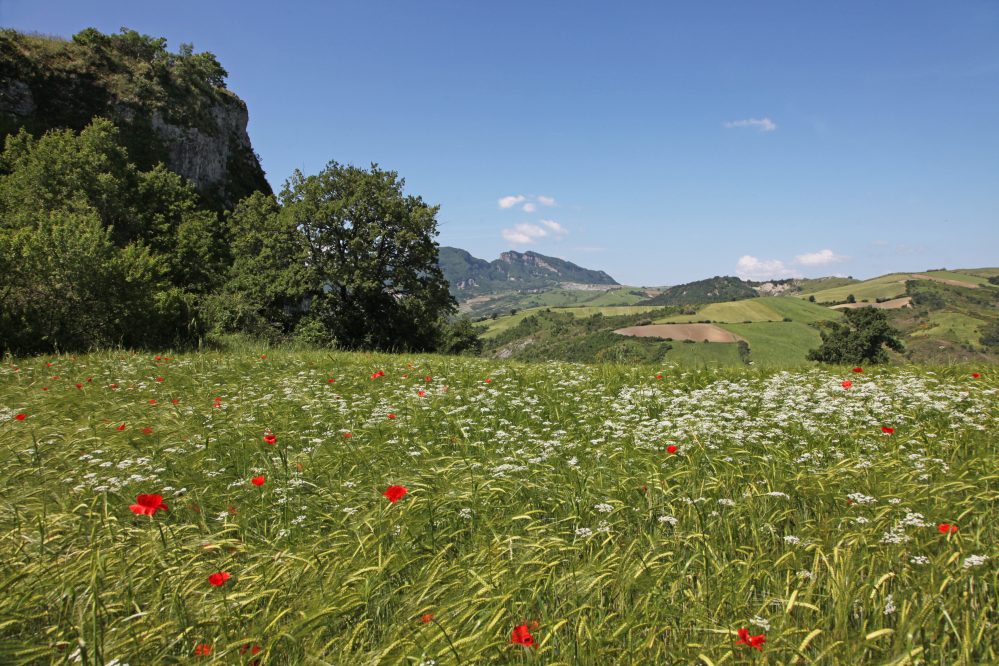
{"x": 956, "y": 283}
{"x": 696, "y": 332}
{"x": 904, "y": 302}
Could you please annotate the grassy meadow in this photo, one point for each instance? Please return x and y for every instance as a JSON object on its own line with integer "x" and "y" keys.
{"x": 616, "y": 514}
{"x": 885, "y": 286}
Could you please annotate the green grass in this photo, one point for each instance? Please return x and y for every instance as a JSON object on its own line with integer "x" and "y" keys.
{"x": 953, "y": 327}
{"x": 886, "y": 286}
{"x": 978, "y": 272}
{"x": 803, "y": 311}
{"x": 700, "y": 354}
{"x": 500, "y": 324}
{"x": 821, "y": 284}
{"x": 543, "y": 497}
{"x": 753, "y": 309}
{"x": 778, "y": 343}
{"x": 962, "y": 277}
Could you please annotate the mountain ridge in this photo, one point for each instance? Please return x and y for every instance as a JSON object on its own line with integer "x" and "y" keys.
{"x": 513, "y": 271}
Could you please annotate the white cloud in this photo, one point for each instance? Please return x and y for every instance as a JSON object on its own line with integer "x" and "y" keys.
{"x": 547, "y": 201}
{"x": 554, "y": 226}
{"x": 510, "y": 202}
{"x": 882, "y": 243}
{"x": 522, "y": 234}
{"x": 821, "y": 258}
{"x": 751, "y": 267}
{"x": 765, "y": 125}
{"x": 530, "y": 208}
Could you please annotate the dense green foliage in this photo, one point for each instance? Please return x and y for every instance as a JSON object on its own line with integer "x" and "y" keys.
{"x": 135, "y": 260}
{"x": 127, "y": 78}
{"x": 513, "y": 270}
{"x": 711, "y": 290}
{"x": 861, "y": 340}
{"x": 549, "y": 496}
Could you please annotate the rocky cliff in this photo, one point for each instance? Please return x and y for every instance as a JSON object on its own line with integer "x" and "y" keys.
{"x": 169, "y": 107}
{"x": 513, "y": 271}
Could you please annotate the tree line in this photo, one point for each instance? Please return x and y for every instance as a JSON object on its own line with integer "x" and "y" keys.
{"x": 96, "y": 253}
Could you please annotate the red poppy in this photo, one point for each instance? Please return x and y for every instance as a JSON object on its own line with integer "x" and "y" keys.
{"x": 751, "y": 641}
{"x": 46, "y": 388}
{"x": 79, "y": 386}
{"x": 858, "y": 369}
{"x": 405, "y": 376}
{"x": 148, "y": 505}
{"x": 175, "y": 401}
{"x": 217, "y": 579}
{"x": 887, "y": 430}
{"x": 48, "y": 364}
{"x": 670, "y": 449}
{"x": 152, "y": 402}
{"x": 847, "y": 384}
{"x": 114, "y": 386}
{"x": 157, "y": 358}
{"x": 522, "y": 636}
{"x": 270, "y": 439}
{"x": 946, "y": 527}
{"x": 258, "y": 481}
{"x": 659, "y": 376}
{"x": 428, "y": 379}
{"x": 89, "y": 378}
{"x": 347, "y": 435}
{"x": 194, "y": 508}
{"x": 159, "y": 379}
{"x": 488, "y": 380}
{"x": 147, "y": 431}
{"x": 121, "y": 427}
{"x": 232, "y": 509}
{"x": 975, "y": 375}
{"x": 422, "y": 393}
{"x": 391, "y": 416}
{"x": 329, "y": 381}
{"x": 254, "y": 650}
{"x": 166, "y": 359}
{"x": 426, "y": 618}
{"x": 394, "y": 493}
{"x": 202, "y": 650}
{"x": 20, "y": 417}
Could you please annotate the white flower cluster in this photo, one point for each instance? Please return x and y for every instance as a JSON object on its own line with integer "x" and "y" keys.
{"x": 604, "y": 508}
{"x": 668, "y": 519}
{"x": 860, "y": 498}
{"x": 975, "y": 561}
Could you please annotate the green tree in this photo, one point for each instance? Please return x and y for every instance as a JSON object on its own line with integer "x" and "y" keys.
{"x": 64, "y": 284}
{"x": 862, "y": 340}
{"x": 850, "y": 299}
{"x": 269, "y": 278}
{"x": 374, "y": 279}
{"x": 811, "y": 299}
{"x": 89, "y": 173}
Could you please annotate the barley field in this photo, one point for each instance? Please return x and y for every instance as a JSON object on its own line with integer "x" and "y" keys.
{"x": 269, "y": 506}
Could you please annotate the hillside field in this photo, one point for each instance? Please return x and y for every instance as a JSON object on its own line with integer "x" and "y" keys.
{"x": 961, "y": 277}
{"x": 294, "y": 507}
{"x": 777, "y": 343}
{"x": 758, "y": 309}
{"x": 885, "y": 286}
{"x": 500, "y": 324}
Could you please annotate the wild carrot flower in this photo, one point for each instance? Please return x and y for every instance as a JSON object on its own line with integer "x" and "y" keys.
{"x": 394, "y": 493}
{"x": 148, "y": 505}
{"x": 218, "y": 579}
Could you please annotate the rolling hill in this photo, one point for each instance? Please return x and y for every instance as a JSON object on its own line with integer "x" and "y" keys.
{"x": 712, "y": 290}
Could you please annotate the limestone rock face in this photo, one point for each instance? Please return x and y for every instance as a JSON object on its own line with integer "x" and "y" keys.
{"x": 201, "y": 156}
{"x": 16, "y": 98}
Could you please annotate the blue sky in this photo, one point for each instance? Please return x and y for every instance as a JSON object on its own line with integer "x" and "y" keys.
{"x": 662, "y": 142}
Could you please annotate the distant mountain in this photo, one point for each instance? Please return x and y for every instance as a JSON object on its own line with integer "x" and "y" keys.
{"x": 712, "y": 290}
{"x": 512, "y": 271}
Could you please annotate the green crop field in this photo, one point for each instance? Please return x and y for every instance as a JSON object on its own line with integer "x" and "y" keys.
{"x": 978, "y": 272}
{"x": 962, "y": 277}
{"x": 777, "y": 343}
{"x": 701, "y": 354}
{"x": 801, "y": 310}
{"x": 886, "y": 286}
{"x": 500, "y": 324}
{"x": 953, "y": 327}
{"x": 753, "y": 309}
{"x": 320, "y": 508}
{"x": 821, "y": 284}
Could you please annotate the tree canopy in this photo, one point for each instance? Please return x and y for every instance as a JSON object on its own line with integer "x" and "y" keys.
{"x": 863, "y": 339}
